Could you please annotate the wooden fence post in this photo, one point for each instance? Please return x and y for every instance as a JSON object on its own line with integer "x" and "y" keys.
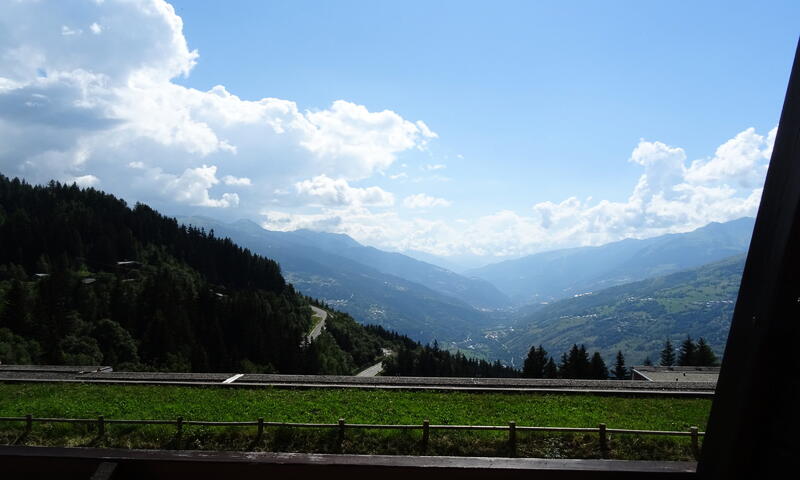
{"x": 695, "y": 443}
{"x": 512, "y": 437}
{"x": 101, "y": 426}
{"x": 603, "y": 438}
{"x": 260, "y": 429}
{"x": 426, "y": 432}
{"x": 28, "y": 423}
{"x": 179, "y": 433}
{"x": 341, "y": 431}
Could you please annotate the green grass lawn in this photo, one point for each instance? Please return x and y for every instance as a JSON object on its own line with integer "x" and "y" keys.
{"x": 355, "y": 406}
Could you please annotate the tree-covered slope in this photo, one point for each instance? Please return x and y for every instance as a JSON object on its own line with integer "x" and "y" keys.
{"x": 637, "y": 317}
{"x": 309, "y": 261}
{"x": 84, "y": 279}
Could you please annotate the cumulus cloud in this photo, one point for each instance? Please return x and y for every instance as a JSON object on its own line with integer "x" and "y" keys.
{"x": 323, "y": 190}
{"x": 740, "y": 161}
{"x": 231, "y": 180}
{"x": 369, "y": 140}
{"x": 192, "y": 187}
{"x": 87, "y": 95}
{"x": 421, "y": 200}
{"x": 670, "y": 196}
{"x": 87, "y": 91}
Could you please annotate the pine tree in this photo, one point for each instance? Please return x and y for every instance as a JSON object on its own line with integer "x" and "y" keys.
{"x": 705, "y": 356}
{"x": 598, "y": 369}
{"x": 582, "y": 365}
{"x": 688, "y": 353}
{"x": 647, "y": 362}
{"x": 534, "y": 363}
{"x": 550, "y": 369}
{"x": 667, "y": 354}
{"x": 620, "y": 372}
{"x": 575, "y": 364}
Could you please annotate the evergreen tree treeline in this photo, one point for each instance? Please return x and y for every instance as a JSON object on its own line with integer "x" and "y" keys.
{"x": 574, "y": 364}
{"x": 432, "y": 361}
{"x": 690, "y": 354}
{"x": 84, "y": 279}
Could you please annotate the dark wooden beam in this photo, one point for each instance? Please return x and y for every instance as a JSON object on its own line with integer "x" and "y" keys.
{"x": 68, "y": 463}
{"x": 753, "y": 427}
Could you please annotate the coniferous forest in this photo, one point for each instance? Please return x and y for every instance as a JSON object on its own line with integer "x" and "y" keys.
{"x": 85, "y": 279}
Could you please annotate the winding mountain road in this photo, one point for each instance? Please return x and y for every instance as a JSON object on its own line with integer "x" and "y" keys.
{"x": 317, "y": 330}
{"x": 375, "y": 369}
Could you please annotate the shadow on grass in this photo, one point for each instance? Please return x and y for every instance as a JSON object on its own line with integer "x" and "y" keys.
{"x": 382, "y": 442}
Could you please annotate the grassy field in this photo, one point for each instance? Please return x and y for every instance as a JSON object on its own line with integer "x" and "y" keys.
{"x": 356, "y": 406}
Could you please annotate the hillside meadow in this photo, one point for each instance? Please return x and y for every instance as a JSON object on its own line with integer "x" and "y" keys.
{"x": 355, "y": 406}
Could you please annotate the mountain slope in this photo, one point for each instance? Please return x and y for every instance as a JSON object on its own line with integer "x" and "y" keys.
{"x": 475, "y": 291}
{"x": 368, "y": 294}
{"x": 637, "y": 317}
{"x": 86, "y": 280}
{"x": 563, "y": 273}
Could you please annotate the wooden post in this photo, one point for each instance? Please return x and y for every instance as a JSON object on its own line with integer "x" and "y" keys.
{"x": 260, "y": 429}
{"x": 603, "y": 438}
{"x": 101, "y": 426}
{"x": 512, "y": 437}
{"x": 28, "y": 423}
{"x": 426, "y": 432}
{"x": 695, "y": 443}
{"x": 341, "y": 431}
{"x": 179, "y": 433}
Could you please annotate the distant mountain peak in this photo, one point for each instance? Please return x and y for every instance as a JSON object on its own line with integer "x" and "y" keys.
{"x": 562, "y": 273}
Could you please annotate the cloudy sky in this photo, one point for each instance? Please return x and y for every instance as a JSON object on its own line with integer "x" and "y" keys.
{"x": 454, "y": 128}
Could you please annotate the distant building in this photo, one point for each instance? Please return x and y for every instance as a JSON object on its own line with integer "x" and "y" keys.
{"x": 675, "y": 374}
{"x": 128, "y": 263}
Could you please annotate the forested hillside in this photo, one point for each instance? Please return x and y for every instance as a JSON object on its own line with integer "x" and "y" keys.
{"x": 84, "y": 279}
{"x": 638, "y": 317}
{"x": 373, "y": 289}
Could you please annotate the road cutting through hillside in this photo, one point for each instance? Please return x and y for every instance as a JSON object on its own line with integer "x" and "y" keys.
{"x": 317, "y": 330}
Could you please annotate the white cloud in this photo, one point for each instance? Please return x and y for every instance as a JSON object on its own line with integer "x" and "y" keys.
{"x": 323, "y": 190}
{"x": 667, "y": 198}
{"x": 386, "y": 228}
{"x": 86, "y": 181}
{"x": 740, "y": 161}
{"x": 432, "y": 167}
{"x": 87, "y": 95}
{"x": 421, "y": 200}
{"x": 73, "y": 104}
{"x": 192, "y": 187}
{"x": 368, "y": 140}
{"x": 231, "y": 180}
{"x": 66, "y": 31}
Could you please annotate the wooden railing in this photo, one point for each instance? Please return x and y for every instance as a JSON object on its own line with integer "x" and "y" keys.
{"x": 601, "y": 430}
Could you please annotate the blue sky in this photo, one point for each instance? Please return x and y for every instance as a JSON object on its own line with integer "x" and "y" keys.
{"x": 488, "y": 129}
{"x": 552, "y": 91}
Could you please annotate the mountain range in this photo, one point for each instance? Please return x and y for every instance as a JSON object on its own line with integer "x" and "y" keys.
{"x": 637, "y": 317}
{"x": 412, "y": 297}
{"x": 556, "y": 274}
{"x": 499, "y": 310}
